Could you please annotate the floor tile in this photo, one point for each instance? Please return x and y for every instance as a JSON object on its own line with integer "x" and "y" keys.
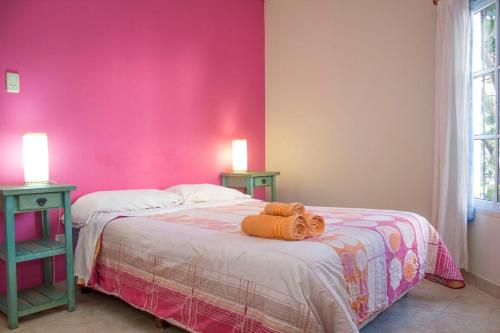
{"x": 433, "y": 308}
{"x": 429, "y": 308}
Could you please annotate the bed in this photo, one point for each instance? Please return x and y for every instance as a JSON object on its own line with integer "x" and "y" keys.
{"x": 193, "y": 267}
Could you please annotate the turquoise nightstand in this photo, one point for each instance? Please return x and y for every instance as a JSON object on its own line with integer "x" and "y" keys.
{"x": 36, "y": 198}
{"x": 250, "y": 180}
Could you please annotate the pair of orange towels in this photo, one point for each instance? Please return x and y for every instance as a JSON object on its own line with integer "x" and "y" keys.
{"x": 284, "y": 221}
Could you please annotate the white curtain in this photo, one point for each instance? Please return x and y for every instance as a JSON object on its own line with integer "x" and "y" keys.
{"x": 451, "y": 130}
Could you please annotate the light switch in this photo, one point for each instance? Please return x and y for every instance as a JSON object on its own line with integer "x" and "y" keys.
{"x": 12, "y": 82}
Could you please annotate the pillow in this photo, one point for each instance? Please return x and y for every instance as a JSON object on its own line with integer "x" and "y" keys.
{"x": 205, "y": 192}
{"x": 118, "y": 201}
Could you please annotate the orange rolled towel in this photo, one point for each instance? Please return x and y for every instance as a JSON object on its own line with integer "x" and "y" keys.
{"x": 278, "y": 227}
{"x": 284, "y": 209}
{"x": 315, "y": 224}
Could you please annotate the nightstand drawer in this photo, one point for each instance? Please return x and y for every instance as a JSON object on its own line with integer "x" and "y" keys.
{"x": 263, "y": 181}
{"x": 39, "y": 201}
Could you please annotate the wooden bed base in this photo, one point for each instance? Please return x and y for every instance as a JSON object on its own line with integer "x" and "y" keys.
{"x": 161, "y": 323}
{"x": 85, "y": 290}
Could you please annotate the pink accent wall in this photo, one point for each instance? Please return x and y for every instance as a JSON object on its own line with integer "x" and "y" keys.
{"x": 132, "y": 93}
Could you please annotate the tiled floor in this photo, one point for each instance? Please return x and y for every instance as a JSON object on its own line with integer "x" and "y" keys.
{"x": 428, "y": 308}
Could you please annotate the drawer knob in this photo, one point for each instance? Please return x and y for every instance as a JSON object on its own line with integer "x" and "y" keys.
{"x": 41, "y": 201}
{"x": 264, "y": 181}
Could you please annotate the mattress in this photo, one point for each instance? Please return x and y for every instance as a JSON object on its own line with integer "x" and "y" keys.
{"x": 196, "y": 269}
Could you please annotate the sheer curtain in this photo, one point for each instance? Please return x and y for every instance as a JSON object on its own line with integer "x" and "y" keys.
{"x": 451, "y": 181}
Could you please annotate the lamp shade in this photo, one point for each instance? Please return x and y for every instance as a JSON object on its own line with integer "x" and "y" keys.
{"x": 239, "y": 155}
{"x": 35, "y": 158}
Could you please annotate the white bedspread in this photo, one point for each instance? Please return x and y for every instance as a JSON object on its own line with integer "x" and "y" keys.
{"x": 91, "y": 232}
{"x": 193, "y": 266}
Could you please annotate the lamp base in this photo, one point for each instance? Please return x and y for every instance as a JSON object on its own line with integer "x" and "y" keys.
{"x": 37, "y": 183}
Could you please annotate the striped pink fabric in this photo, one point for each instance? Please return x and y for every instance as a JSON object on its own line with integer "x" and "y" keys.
{"x": 445, "y": 271}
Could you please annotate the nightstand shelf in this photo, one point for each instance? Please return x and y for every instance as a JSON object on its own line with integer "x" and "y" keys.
{"x": 251, "y": 179}
{"x": 36, "y": 198}
{"x": 38, "y": 299}
{"x": 35, "y": 249}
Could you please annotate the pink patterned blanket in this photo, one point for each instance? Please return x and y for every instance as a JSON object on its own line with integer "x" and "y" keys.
{"x": 196, "y": 269}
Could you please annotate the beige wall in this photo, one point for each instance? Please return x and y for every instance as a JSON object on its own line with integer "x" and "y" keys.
{"x": 484, "y": 246}
{"x": 349, "y": 109}
{"x": 349, "y": 101}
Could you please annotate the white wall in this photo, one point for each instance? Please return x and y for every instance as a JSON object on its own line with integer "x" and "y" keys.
{"x": 349, "y": 101}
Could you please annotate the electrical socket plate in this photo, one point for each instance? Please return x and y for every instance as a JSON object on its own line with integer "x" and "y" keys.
{"x": 12, "y": 82}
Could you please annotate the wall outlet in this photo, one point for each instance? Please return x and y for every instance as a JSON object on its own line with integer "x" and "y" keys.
{"x": 12, "y": 82}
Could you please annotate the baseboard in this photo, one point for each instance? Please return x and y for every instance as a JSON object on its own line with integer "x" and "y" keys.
{"x": 482, "y": 284}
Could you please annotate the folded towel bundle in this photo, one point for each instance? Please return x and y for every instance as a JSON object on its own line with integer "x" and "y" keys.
{"x": 315, "y": 224}
{"x": 284, "y": 209}
{"x": 284, "y": 221}
{"x": 280, "y": 227}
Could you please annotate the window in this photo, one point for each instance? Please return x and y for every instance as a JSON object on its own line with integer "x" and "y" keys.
{"x": 485, "y": 110}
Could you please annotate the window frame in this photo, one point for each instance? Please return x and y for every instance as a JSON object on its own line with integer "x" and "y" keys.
{"x": 477, "y": 6}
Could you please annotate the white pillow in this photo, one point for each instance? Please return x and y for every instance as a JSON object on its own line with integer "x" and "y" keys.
{"x": 118, "y": 201}
{"x": 205, "y": 192}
